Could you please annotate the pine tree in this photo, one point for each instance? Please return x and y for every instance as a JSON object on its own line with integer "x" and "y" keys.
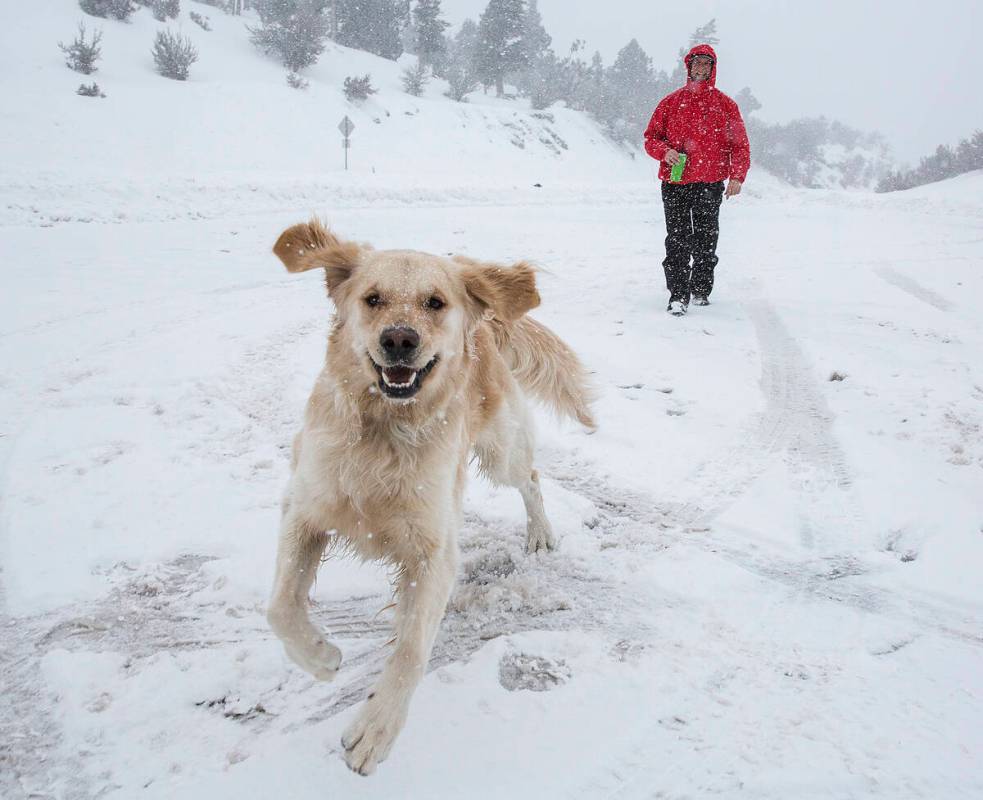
{"x": 431, "y": 46}
{"x": 746, "y": 102}
{"x": 705, "y": 34}
{"x": 294, "y": 31}
{"x": 460, "y": 69}
{"x": 634, "y": 92}
{"x": 82, "y": 55}
{"x": 499, "y": 51}
{"x": 535, "y": 40}
{"x": 375, "y": 26}
{"x": 117, "y": 9}
{"x": 415, "y": 78}
{"x": 543, "y": 71}
{"x": 173, "y": 54}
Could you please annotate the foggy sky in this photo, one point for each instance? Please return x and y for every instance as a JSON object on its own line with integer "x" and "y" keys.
{"x": 911, "y": 70}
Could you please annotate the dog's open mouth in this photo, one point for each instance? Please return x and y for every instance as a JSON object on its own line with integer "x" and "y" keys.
{"x": 401, "y": 382}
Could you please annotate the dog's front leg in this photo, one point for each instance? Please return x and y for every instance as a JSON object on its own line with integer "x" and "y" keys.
{"x": 422, "y": 595}
{"x": 298, "y": 555}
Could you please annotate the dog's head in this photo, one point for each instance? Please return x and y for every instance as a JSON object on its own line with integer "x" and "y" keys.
{"x": 407, "y": 316}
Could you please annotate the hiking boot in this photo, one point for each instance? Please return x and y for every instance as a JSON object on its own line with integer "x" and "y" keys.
{"x": 700, "y": 300}
{"x": 676, "y": 307}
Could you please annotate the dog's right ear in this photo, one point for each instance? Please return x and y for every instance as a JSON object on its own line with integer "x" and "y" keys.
{"x": 311, "y": 245}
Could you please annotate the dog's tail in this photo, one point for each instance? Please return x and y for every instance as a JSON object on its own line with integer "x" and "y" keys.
{"x": 546, "y": 368}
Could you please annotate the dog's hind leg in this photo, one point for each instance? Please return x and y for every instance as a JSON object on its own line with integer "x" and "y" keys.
{"x": 298, "y": 556}
{"x": 539, "y": 532}
{"x": 505, "y": 455}
{"x": 422, "y": 596}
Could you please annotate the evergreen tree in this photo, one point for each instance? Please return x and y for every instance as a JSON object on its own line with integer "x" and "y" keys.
{"x": 415, "y": 78}
{"x": 460, "y": 69}
{"x": 535, "y": 40}
{"x": 746, "y": 102}
{"x": 375, "y": 26}
{"x": 705, "y": 34}
{"x": 173, "y": 54}
{"x": 431, "y": 46}
{"x": 540, "y": 78}
{"x": 499, "y": 50}
{"x": 633, "y": 90}
{"x": 117, "y": 9}
{"x": 294, "y": 31}
{"x": 82, "y": 54}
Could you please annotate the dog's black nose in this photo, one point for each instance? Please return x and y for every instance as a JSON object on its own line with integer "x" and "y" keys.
{"x": 399, "y": 343}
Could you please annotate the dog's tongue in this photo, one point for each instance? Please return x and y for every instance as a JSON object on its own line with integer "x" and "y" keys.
{"x": 398, "y": 375}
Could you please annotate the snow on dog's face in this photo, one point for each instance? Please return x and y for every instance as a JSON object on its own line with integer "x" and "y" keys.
{"x": 405, "y": 315}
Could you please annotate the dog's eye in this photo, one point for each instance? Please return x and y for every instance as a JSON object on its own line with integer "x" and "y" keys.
{"x": 435, "y": 303}
{"x": 373, "y": 300}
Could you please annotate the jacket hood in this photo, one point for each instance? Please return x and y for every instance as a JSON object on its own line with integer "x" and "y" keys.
{"x": 701, "y": 50}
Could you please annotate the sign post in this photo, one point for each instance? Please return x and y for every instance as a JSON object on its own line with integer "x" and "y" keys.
{"x": 346, "y": 126}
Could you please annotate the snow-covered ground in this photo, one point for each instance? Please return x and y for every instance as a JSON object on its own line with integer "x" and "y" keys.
{"x": 768, "y": 584}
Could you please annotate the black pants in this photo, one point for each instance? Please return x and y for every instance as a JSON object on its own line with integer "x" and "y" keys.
{"x": 692, "y": 227}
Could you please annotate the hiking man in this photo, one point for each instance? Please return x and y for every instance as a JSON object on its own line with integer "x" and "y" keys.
{"x": 703, "y": 123}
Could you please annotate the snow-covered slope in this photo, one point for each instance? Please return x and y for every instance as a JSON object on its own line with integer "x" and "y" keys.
{"x": 236, "y": 124}
{"x": 767, "y": 585}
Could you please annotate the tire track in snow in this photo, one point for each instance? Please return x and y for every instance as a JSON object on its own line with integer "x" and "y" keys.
{"x": 796, "y": 426}
{"x": 914, "y": 288}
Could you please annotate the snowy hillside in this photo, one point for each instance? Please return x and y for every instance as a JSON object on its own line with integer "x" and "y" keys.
{"x": 236, "y": 129}
{"x": 768, "y": 581}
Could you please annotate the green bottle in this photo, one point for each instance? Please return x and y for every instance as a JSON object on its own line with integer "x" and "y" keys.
{"x": 677, "y": 169}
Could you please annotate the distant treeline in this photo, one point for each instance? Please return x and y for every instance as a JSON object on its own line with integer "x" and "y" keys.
{"x": 945, "y": 162}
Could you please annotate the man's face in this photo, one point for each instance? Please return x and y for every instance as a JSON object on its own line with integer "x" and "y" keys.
{"x": 700, "y": 67}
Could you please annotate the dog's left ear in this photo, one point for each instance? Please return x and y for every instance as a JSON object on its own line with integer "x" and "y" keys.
{"x": 311, "y": 245}
{"x": 505, "y": 292}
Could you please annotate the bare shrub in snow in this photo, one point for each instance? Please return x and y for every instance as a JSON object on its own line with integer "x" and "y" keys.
{"x": 164, "y": 10}
{"x": 117, "y": 9}
{"x": 173, "y": 54}
{"x": 81, "y": 55}
{"x": 415, "y": 78}
{"x": 200, "y": 21}
{"x": 89, "y": 90}
{"x": 359, "y": 88}
{"x": 295, "y": 81}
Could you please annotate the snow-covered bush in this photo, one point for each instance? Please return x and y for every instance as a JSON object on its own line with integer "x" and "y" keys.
{"x": 201, "y": 21}
{"x": 415, "y": 78}
{"x": 460, "y": 81}
{"x": 359, "y": 87}
{"x": 82, "y": 55}
{"x": 295, "y": 81}
{"x": 89, "y": 90}
{"x": 117, "y": 9}
{"x": 173, "y": 54}
{"x": 165, "y": 9}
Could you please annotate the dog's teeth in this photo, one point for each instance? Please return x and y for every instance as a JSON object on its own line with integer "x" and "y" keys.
{"x": 399, "y": 385}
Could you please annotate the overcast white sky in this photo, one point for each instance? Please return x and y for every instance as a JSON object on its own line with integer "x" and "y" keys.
{"x": 911, "y": 70}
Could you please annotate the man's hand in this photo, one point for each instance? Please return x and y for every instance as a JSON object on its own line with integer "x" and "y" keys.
{"x": 733, "y": 187}
{"x": 671, "y": 157}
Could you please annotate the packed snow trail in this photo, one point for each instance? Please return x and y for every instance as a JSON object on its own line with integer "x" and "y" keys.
{"x": 755, "y": 589}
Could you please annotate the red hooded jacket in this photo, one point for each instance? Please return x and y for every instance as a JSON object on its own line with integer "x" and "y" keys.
{"x": 704, "y": 123}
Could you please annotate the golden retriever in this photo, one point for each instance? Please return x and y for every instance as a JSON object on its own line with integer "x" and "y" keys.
{"x": 425, "y": 361}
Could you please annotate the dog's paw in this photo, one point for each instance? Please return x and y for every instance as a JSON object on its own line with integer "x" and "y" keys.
{"x": 368, "y": 740}
{"x": 315, "y": 655}
{"x": 540, "y": 538}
